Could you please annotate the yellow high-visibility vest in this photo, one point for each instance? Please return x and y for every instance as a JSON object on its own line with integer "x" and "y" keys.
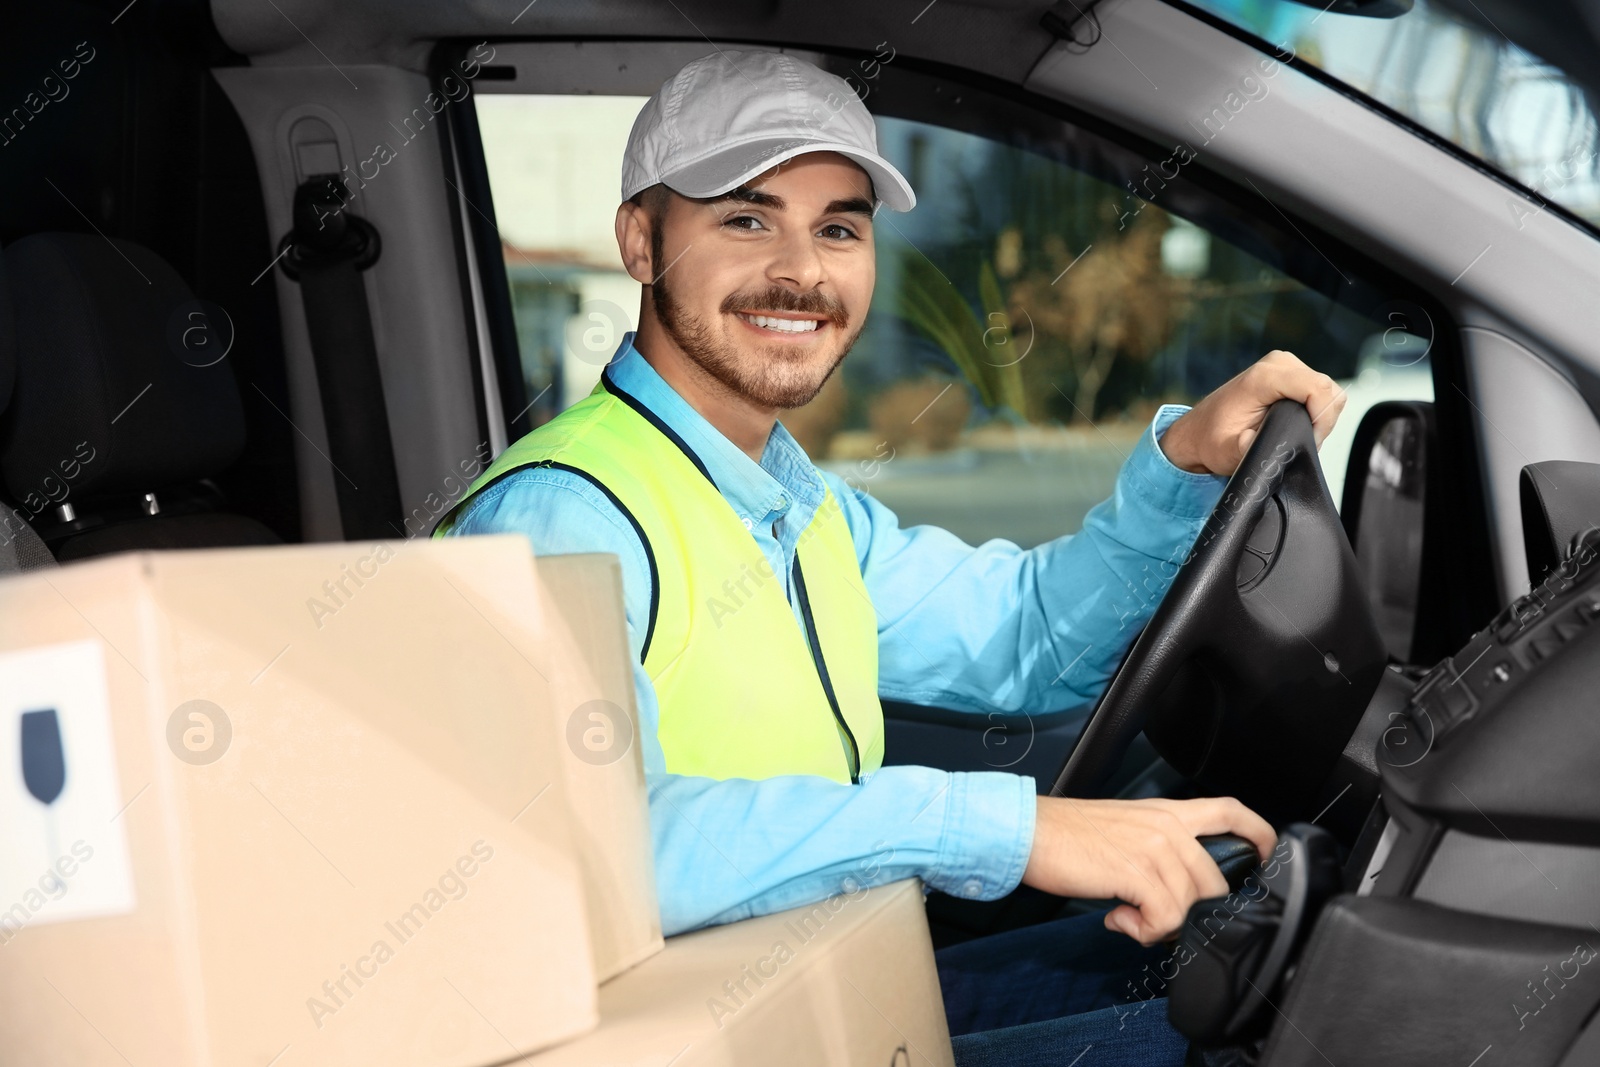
{"x": 744, "y": 691}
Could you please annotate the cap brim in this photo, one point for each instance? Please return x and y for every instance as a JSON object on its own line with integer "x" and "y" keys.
{"x": 737, "y": 164}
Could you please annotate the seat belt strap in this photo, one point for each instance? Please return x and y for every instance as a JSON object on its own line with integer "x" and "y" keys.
{"x": 326, "y": 252}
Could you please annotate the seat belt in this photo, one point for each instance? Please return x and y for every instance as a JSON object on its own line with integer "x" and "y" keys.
{"x": 326, "y": 252}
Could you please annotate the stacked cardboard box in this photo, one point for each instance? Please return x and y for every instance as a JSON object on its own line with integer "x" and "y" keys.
{"x": 598, "y": 722}
{"x": 850, "y": 980}
{"x": 313, "y": 810}
{"x": 336, "y": 804}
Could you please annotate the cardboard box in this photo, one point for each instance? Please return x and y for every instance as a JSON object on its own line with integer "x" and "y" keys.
{"x": 312, "y": 811}
{"x": 605, "y": 763}
{"x": 848, "y": 981}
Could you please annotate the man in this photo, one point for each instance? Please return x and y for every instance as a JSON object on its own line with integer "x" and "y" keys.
{"x": 770, "y": 606}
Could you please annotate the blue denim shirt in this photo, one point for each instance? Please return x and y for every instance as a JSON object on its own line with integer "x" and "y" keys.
{"x": 978, "y": 629}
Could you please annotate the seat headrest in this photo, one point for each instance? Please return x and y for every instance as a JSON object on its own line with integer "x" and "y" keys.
{"x": 108, "y": 400}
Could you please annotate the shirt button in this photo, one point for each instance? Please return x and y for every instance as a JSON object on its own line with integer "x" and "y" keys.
{"x": 781, "y": 503}
{"x": 972, "y": 887}
{"x": 748, "y": 525}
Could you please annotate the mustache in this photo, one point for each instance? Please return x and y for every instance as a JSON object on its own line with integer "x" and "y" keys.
{"x": 777, "y": 298}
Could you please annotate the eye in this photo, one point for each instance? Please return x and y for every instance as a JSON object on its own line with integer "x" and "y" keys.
{"x": 744, "y": 222}
{"x": 844, "y": 232}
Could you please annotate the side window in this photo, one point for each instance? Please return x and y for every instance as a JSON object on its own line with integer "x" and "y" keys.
{"x": 554, "y": 166}
{"x": 1048, "y": 293}
{"x": 1061, "y": 308}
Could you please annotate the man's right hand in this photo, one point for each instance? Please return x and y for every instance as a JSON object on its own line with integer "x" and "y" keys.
{"x": 1143, "y": 852}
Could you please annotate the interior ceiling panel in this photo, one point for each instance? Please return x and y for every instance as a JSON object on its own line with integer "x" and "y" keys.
{"x": 1001, "y": 38}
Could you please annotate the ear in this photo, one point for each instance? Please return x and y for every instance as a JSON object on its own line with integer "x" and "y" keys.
{"x": 633, "y": 242}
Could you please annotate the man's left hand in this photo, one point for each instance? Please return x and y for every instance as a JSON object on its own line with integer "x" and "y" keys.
{"x": 1213, "y": 436}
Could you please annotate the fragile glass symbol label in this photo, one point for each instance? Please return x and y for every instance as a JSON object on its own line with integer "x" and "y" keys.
{"x": 65, "y": 853}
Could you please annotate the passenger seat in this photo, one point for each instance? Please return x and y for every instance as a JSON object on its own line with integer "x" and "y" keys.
{"x": 113, "y": 429}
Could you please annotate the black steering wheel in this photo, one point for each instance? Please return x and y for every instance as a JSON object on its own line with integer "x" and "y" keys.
{"x": 1259, "y": 661}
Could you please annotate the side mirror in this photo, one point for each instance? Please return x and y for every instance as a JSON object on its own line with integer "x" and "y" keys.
{"x": 1385, "y": 492}
{"x": 1560, "y": 500}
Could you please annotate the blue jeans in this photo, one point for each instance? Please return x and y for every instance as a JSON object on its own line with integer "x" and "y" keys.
{"x": 1068, "y": 993}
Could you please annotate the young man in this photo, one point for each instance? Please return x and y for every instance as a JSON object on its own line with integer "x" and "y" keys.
{"x": 770, "y": 606}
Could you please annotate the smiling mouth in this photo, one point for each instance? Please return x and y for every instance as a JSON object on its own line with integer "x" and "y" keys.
{"x": 781, "y": 324}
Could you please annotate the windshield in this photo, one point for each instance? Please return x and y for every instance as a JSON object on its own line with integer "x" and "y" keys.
{"x": 1467, "y": 84}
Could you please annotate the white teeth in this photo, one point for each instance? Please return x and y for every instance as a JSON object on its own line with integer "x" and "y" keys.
{"x": 785, "y": 325}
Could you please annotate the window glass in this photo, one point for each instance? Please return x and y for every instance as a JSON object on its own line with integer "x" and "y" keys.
{"x": 1467, "y": 83}
{"x": 554, "y": 167}
{"x": 1049, "y": 292}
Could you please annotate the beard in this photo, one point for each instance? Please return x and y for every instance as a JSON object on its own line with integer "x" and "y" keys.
{"x": 784, "y": 378}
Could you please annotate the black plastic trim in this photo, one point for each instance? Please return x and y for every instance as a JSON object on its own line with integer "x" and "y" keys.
{"x": 1005, "y": 722}
{"x": 463, "y": 153}
{"x": 448, "y": 151}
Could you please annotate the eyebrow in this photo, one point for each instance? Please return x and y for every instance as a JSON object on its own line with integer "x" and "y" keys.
{"x": 745, "y": 195}
{"x": 853, "y": 205}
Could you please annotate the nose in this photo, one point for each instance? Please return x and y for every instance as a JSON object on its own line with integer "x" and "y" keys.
{"x": 795, "y": 262}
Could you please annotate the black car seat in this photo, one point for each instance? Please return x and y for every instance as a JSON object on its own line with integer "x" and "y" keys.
{"x": 20, "y": 548}
{"x": 115, "y": 424}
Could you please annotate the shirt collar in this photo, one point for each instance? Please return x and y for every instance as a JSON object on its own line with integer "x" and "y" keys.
{"x": 785, "y": 476}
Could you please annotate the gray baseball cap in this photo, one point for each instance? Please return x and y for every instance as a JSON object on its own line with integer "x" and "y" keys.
{"x": 730, "y": 116}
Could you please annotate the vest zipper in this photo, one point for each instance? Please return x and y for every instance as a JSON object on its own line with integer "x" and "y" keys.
{"x": 854, "y": 757}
